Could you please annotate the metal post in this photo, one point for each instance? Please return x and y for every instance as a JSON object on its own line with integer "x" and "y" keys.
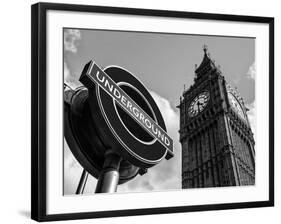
{"x": 109, "y": 176}
{"x": 82, "y": 182}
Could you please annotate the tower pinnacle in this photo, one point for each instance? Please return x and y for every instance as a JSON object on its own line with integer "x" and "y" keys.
{"x": 205, "y": 48}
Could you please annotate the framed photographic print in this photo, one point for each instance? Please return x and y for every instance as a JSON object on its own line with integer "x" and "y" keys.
{"x": 138, "y": 111}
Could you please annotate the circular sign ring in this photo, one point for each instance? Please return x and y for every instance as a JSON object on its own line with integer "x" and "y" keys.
{"x": 117, "y": 136}
{"x": 117, "y": 108}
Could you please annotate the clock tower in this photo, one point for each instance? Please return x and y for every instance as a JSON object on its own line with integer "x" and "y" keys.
{"x": 215, "y": 133}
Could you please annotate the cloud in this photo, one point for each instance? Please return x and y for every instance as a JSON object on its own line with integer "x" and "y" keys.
{"x": 71, "y": 36}
{"x": 251, "y": 74}
{"x": 72, "y": 171}
{"x": 246, "y": 85}
{"x": 252, "y": 71}
{"x": 252, "y": 117}
{"x": 69, "y": 79}
{"x": 66, "y": 72}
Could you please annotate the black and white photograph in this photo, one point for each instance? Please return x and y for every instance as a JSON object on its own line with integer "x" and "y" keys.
{"x": 140, "y": 112}
{"x": 201, "y": 87}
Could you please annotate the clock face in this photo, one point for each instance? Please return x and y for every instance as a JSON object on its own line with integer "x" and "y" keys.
{"x": 198, "y": 104}
{"x": 236, "y": 105}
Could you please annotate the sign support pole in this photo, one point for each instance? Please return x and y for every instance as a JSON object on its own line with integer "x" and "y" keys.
{"x": 82, "y": 182}
{"x": 109, "y": 176}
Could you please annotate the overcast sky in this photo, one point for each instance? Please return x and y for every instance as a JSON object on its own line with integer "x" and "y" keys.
{"x": 164, "y": 63}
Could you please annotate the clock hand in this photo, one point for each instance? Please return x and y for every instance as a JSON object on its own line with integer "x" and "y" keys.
{"x": 198, "y": 104}
{"x": 198, "y": 107}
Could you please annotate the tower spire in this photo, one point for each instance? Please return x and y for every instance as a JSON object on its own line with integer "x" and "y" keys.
{"x": 205, "y": 48}
{"x": 206, "y": 62}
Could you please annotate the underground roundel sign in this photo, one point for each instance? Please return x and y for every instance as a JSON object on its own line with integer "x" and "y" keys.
{"x": 129, "y": 121}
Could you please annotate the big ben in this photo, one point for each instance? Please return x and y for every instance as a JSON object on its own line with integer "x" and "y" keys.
{"x": 215, "y": 133}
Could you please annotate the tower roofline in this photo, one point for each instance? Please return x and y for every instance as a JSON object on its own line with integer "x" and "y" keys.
{"x": 205, "y": 62}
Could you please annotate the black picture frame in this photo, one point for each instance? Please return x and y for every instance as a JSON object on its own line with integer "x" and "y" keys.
{"x": 38, "y": 109}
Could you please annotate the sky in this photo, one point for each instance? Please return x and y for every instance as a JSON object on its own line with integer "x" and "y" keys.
{"x": 165, "y": 64}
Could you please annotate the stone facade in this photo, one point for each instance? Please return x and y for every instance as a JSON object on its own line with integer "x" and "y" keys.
{"x": 217, "y": 144}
